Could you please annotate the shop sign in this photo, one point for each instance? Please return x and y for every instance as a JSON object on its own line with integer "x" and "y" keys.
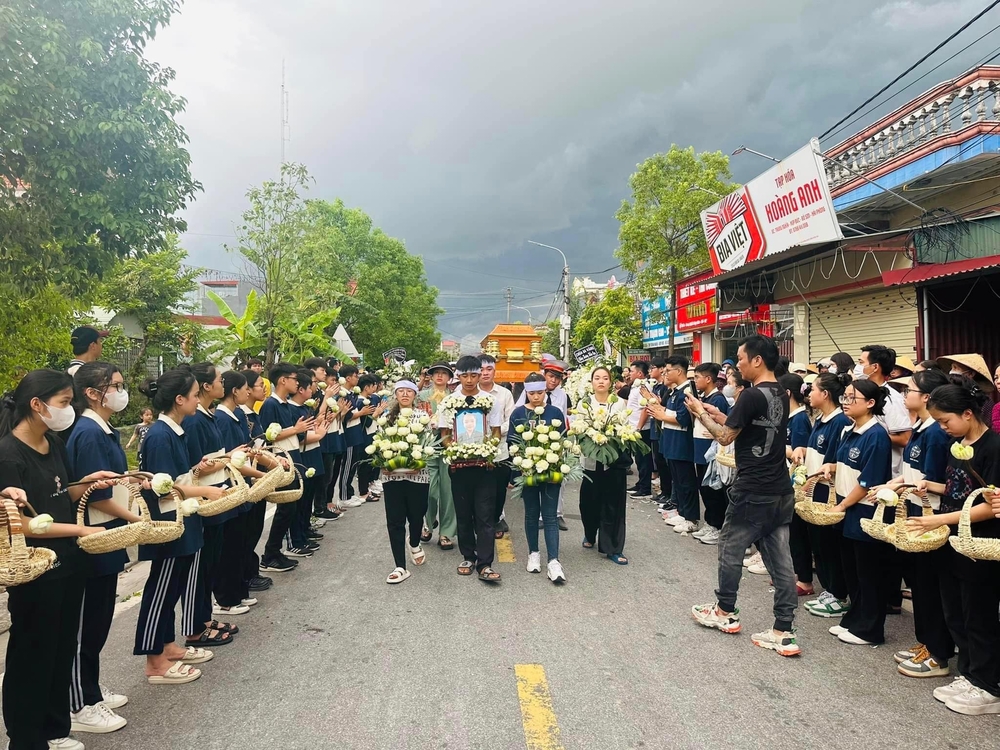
{"x": 697, "y": 306}
{"x": 655, "y": 315}
{"x": 786, "y": 206}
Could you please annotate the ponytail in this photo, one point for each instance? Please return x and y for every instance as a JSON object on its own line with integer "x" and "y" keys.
{"x": 15, "y": 406}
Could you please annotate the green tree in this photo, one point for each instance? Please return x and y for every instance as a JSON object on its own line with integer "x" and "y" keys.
{"x": 660, "y": 235}
{"x": 155, "y": 290}
{"x": 614, "y": 317}
{"x": 36, "y": 331}
{"x": 240, "y": 340}
{"x": 269, "y": 236}
{"x": 92, "y": 162}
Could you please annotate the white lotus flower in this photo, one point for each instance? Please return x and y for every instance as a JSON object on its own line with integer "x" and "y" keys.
{"x": 391, "y": 431}
{"x": 542, "y": 466}
{"x": 407, "y": 412}
{"x": 544, "y": 429}
{"x": 526, "y": 463}
{"x": 387, "y": 454}
{"x": 557, "y": 423}
{"x": 162, "y": 483}
{"x": 514, "y": 449}
{"x": 543, "y": 438}
{"x": 190, "y": 506}
{"x": 412, "y": 439}
{"x": 238, "y": 459}
{"x": 382, "y": 421}
{"x": 887, "y": 496}
{"x": 551, "y": 457}
{"x": 40, "y": 524}
{"x": 425, "y": 420}
{"x": 555, "y": 445}
{"x": 539, "y": 410}
{"x": 342, "y": 381}
{"x": 310, "y": 472}
{"x": 516, "y": 460}
{"x": 356, "y": 390}
{"x": 643, "y": 402}
{"x": 576, "y": 449}
{"x": 416, "y": 428}
{"x": 370, "y": 449}
{"x": 565, "y": 468}
{"x": 528, "y": 435}
{"x": 404, "y": 431}
{"x": 272, "y": 432}
{"x": 311, "y": 403}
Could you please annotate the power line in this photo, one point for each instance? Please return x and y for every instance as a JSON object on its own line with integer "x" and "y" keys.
{"x": 910, "y": 69}
{"x": 918, "y": 80}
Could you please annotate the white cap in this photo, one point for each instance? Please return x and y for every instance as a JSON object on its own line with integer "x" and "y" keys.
{"x": 797, "y": 367}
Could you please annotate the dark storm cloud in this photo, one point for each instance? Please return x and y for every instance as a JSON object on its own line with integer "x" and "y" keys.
{"x": 467, "y": 128}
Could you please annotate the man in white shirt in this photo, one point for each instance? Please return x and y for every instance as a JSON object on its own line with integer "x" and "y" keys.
{"x": 638, "y": 374}
{"x": 503, "y": 402}
{"x": 875, "y": 363}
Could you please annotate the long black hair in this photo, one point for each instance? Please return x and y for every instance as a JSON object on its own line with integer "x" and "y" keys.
{"x": 833, "y": 384}
{"x": 928, "y": 381}
{"x": 205, "y": 373}
{"x": 231, "y": 381}
{"x": 871, "y": 392}
{"x": 794, "y": 384}
{"x": 15, "y": 406}
{"x": 962, "y": 394}
{"x": 96, "y": 375}
{"x": 164, "y": 391}
{"x": 251, "y": 376}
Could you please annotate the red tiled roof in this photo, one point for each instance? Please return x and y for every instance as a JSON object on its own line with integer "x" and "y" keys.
{"x": 930, "y": 271}
{"x": 208, "y": 320}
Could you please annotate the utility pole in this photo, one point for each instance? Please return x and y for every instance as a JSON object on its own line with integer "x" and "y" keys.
{"x": 564, "y": 320}
{"x": 284, "y": 112}
{"x": 508, "y": 294}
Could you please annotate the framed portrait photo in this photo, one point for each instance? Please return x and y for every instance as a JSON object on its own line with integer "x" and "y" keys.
{"x": 470, "y": 426}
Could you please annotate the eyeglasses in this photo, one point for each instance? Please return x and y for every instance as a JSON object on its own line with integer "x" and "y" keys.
{"x": 115, "y": 387}
{"x": 908, "y": 391}
{"x": 845, "y": 399}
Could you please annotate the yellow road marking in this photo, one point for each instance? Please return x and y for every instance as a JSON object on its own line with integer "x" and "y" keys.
{"x": 505, "y": 550}
{"x": 541, "y": 730}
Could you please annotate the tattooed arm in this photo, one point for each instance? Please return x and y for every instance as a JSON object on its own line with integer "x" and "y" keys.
{"x": 710, "y": 417}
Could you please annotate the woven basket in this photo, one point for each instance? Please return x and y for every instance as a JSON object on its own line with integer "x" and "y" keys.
{"x": 287, "y": 496}
{"x": 274, "y": 454}
{"x": 111, "y": 540}
{"x": 978, "y": 548}
{"x": 876, "y": 527}
{"x": 19, "y": 563}
{"x": 906, "y": 541}
{"x": 726, "y": 459}
{"x": 233, "y": 497}
{"x": 818, "y": 514}
{"x": 265, "y": 485}
{"x": 161, "y": 532}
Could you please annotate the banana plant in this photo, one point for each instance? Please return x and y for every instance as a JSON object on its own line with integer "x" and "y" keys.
{"x": 242, "y": 340}
{"x": 299, "y": 340}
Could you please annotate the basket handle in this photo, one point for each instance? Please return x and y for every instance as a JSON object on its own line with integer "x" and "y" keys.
{"x": 224, "y": 460}
{"x": 965, "y": 520}
{"x": 810, "y": 487}
{"x": 12, "y": 516}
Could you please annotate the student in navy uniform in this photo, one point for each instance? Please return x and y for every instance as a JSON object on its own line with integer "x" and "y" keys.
{"x": 799, "y": 429}
{"x": 300, "y": 534}
{"x": 542, "y": 498}
{"x": 602, "y": 494}
{"x": 970, "y": 589}
{"x": 356, "y": 437}
{"x": 321, "y": 497}
{"x": 34, "y": 467}
{"x": 232, "y": 590}
{"x": 255, "y": 519}
{"x": 826, "y": 541}
{"x": 333, "y": 444}
{"x": 677, "y": 446}
{"x": 864, "y": 462}
{"x": 351, "y": 423}
{"x": 924, "y": 459}
{"x": 659, "y": 391}
{"x": 277, "y": 410}
{"x": 95, "y": 446}
{"x": 715, "y": 500}
{"x": 174, "y": 566}
{"x": 204, "y": 441}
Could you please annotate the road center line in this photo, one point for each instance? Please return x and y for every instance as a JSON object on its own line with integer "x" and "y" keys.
{"x": 505, "y": 550}
{"x": 541, "y": 730}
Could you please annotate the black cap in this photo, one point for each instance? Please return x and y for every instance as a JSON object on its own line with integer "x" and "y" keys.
{"x": 441, "y": 366}
{"x": 84, "y": 336}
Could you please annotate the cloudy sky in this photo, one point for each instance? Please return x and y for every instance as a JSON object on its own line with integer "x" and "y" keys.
{"x": 467, "y": 128}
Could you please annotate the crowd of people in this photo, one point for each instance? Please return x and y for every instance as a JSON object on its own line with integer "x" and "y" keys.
{"x": 726, "y": 438}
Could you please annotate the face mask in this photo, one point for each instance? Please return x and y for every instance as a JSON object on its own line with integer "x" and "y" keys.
{"x": 61, "y": 417}
{"x": 859, "y": 372}
{"x": 832, "y": 369}
{"x": 729, "y": 391}
{"x": 955, "y": 372}
{"x": 116, "y": 400}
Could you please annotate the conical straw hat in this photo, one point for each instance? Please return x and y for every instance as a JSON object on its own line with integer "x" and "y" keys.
{"x": 974, "y": 362}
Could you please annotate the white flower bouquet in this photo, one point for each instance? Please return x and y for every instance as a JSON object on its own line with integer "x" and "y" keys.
{"x": 456, "y": 402}
{"x": 404, "y": 443}
{"x": 458, "y": 454}
{"x": 542, "y": 454}
{"x": 603, "y": 433}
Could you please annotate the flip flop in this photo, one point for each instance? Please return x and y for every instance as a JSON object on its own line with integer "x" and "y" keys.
{"x": 197, "y": 656}
{"x": 489, "y": 575}
{"x": 447, "y": 544}
{"x": 426, "y": 534}
{"x": 178, "y": 674}
{"x": 465, "y": 568}
{"x": 587, "y": 545}
{"x": 617, "y": 559}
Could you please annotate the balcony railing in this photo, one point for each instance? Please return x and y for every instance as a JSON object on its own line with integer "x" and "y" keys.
{"x": 945, "y": 110}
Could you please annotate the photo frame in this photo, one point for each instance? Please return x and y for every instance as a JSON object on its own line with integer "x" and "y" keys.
{"x": 470, "y": 426}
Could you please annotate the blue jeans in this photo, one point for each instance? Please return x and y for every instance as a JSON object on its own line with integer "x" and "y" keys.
{"x": 545, "y": 497}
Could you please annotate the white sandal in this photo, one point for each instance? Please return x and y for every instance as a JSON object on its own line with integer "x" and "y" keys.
{"x": 417, "y": 555}
{"x": 196, "y": 655}
{"x": 398, "y": 576}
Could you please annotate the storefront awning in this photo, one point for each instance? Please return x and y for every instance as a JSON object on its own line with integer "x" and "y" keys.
{"x": 932, "y": 271}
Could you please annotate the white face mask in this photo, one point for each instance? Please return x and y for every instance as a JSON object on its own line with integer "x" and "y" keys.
{"x": 116, "y": 400}
{"x": 832, "y": 369}
{"x": 955, "y": 372}
{"x": 729, "y": 391}
{"x": 859, "y": 372}
{"x": 60, "y": 417}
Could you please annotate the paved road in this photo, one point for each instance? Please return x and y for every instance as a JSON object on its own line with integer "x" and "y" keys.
{"x": 335, "y": 658}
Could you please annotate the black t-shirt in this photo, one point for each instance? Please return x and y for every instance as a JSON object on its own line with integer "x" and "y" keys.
{"x": 959, "y": 481}
{"x": 761, "y": 415}
{"x": 43, "y": 479}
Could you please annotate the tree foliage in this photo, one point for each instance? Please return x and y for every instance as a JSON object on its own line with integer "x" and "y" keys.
{"x": 92, "y": 163}
{"x": 37, "y": 326}
{"x": 614, "y": 317}
{"x": 660, "y": 235}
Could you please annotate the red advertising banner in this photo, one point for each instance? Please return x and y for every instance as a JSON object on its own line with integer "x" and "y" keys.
{"x": 696, "y": 306}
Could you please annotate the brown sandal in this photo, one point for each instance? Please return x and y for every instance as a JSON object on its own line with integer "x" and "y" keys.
{"x": 489, "y": 575}
{"x": 445, "y": 542}
{"x": 465, "y": 568}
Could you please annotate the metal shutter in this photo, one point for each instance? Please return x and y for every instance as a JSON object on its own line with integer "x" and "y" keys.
{"x": 887, "y": 316}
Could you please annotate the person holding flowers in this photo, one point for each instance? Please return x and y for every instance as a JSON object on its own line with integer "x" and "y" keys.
{"x": 255, "y": 521}
{"x": 401, "y": 447}
{"x": 173, "y": 568}
{"x": 34, "y": 469}
{"x": 470, "y": 463}
{"x": 970, "y": 589}
{"x": 541, "y": 470}
{"x": 600, "y": 425}
{"x": 440, "y": 502}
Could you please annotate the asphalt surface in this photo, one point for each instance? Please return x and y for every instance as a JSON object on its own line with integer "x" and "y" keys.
{"x": 335, "y": 658}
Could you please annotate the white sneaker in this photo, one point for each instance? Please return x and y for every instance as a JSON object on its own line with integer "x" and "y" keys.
{"x": 711, "y": 536}
{"x": 837, "y": 630}
{"x": 974, "y": 702}
{"x": 251, "y": 602}
{"x": 97, "y": 719}
{"x": 756, "y": 565}
{"x": 111, "y": 699}
{"x": 674, "y": 520}
{"x": 848, "y": 637}
{"x": 534, "y": 562}
{"x": 956, "y": 687}
{"x": 555, "y": 572}
{"x": 66, "y": 743}
{"x": 239, "y": 609}
{"x": 701, "y": 532}
{"x": 685, "y": 527}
